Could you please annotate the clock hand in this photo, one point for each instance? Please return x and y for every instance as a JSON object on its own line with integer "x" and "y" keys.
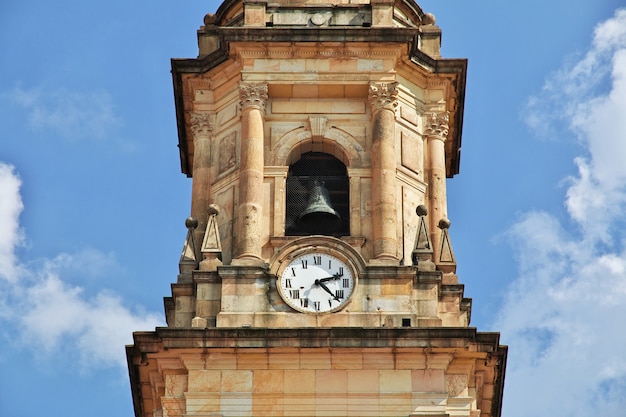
{"x": 336, "y": 276}
{"x": 321, "y": 284}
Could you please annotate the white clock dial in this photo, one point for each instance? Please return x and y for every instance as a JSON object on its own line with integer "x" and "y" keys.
{"x": 316, "y": 283}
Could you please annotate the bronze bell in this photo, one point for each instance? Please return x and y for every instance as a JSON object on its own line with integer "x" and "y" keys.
{"x": 319, "y": 216}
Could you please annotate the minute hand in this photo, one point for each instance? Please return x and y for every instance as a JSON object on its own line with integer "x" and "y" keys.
{"x": 321, "y": 284}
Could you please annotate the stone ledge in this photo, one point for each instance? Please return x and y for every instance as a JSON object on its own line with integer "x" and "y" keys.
{"x": 453, "y": 338}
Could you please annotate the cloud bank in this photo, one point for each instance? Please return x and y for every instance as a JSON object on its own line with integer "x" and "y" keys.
{"x": 42, "y": 312}
{"x": 563, "y": 316}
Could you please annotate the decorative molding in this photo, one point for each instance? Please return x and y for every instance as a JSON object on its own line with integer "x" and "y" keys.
{"x": 201, "y": 124}
{"x": 383, "y": 96}
{"x": 253, "y": 95}
{"x": 337, "y": 142}
{"x": 318, "y": 127}
{"x": 437, "y": 124}
{"x": 456, "y": 384}
{"x": 315, "y": 51}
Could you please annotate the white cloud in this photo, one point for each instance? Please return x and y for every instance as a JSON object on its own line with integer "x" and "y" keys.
{"x": 59, "y": 317}
{"x": 39, "y": 310}
{"x": 597, "y": 196}
{"x": 563, "y": 316}
{"x": 72, "y": 114}
{"x": 10, "y": 209}
{"x": 562, "y": 320}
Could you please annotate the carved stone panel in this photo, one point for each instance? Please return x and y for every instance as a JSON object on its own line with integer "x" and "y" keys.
{"x": 227, "y": 152}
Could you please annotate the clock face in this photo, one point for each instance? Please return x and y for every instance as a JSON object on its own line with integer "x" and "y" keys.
{"x": 316, "y": 283}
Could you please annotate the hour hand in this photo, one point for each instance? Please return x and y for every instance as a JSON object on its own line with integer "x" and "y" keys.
{"x": 336, "y": 276}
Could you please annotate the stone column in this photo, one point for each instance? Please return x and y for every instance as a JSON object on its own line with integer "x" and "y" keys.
{"x": 202, "y": 129}
{"x": 250, "y": 211}
{"x": 436, "y": 130}
{"x": 383, "y": 100}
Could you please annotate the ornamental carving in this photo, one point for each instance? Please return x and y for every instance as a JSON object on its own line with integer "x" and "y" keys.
{"x": 253, "y": 95}
{"x": 201, "y": 124}
{"x": 437, "y": 124}
{"x": 227, "y": 152}
{"x": 318, "y": 127}
{"x": 383, "y": 96}
{"x": 456, "y": 385}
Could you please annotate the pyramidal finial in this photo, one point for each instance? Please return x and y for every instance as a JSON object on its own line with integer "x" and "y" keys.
{"x": 423, "y": 250}
{"x": 188, "y": 261}
{"x": 211, "y": 245}
{"x": 447, "y": 261}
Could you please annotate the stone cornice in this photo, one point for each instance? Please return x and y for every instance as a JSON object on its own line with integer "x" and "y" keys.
{"x": 313, "y": 50}
{"x": 308, "y": 34}
{"x": 449, "y": 338}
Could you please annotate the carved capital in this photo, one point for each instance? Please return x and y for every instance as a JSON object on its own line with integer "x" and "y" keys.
{"x": 437, "y": 124}
{"x": 383, "y": 96}
{"x": 201, "y": 124}
{"x": 253, "y": 95}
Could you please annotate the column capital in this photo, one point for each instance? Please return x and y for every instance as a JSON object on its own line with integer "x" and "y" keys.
{"x": 201, "y": 124}
{"x": 437, "y": 124}
{"x": 253, "y": 95}
{"x": 383, "y": 96}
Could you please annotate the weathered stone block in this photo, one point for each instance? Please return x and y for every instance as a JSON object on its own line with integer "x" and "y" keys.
{"x": 239, "y": 381}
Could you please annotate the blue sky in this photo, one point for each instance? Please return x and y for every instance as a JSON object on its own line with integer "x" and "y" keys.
{"x": 92, "y": 201}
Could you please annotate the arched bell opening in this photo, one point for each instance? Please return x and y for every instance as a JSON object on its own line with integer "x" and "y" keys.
{"x": 317, "y": 200}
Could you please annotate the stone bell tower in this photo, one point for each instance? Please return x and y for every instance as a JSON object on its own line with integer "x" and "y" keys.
{"x": 317, "y": 277}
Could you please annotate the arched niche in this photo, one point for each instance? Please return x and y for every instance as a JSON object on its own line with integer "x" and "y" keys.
{"x": 317, "y": 196}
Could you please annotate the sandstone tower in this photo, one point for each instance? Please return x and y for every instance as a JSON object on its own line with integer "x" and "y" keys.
{"x": 317, "y": 276}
